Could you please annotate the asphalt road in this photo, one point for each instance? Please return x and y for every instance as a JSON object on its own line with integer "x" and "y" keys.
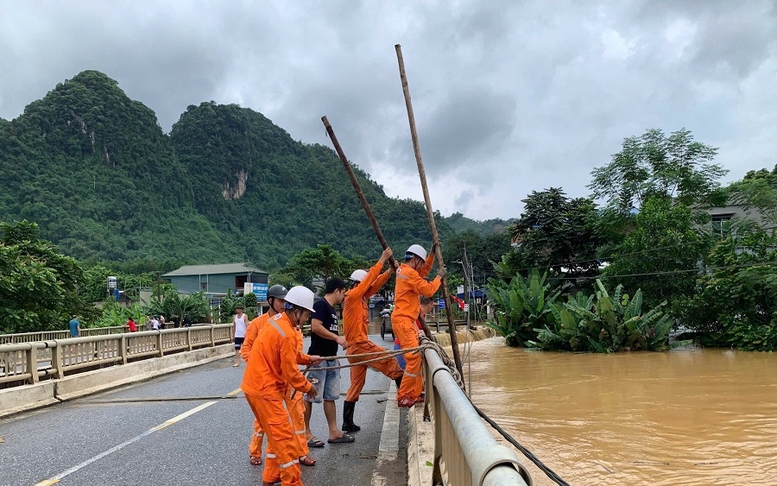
{"x": 190, "y": 427}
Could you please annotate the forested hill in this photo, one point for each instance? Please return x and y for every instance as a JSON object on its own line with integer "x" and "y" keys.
{"x": 94, "y": 169}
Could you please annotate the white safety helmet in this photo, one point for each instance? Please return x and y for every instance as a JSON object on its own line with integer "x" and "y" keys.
{"x": 300, "y": 296}
{"x": 358, "y": 275}
{"x": 416, "y": 250}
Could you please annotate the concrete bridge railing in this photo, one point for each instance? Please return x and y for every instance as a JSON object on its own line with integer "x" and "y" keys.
{"x": 30, "y": 337}
{"x": 29, "y": 362}
{"x": 465, "y": 452}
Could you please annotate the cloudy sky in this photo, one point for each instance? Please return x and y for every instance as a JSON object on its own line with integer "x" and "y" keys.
{"x": 509, "y": 96}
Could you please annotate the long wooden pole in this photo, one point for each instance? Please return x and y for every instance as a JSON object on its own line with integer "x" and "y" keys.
{"x": 363, "y": 200}
{"x": 429, "y": 211}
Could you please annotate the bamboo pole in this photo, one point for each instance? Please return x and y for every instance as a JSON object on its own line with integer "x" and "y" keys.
{"x": 430, "y": 213}
{"x": 363, "y": 200}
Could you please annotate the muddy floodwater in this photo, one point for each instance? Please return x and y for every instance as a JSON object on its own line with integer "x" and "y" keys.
{"x": 700, "y": 417}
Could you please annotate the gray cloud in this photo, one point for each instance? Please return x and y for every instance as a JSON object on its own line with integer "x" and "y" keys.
{"x": 509, "y": 97}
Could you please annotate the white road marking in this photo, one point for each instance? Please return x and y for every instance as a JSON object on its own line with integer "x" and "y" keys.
{"x": 161, "y": 426}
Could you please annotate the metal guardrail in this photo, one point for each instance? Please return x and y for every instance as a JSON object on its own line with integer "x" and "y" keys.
{"x": 465, "y": 452}
{"x": 29, "y": 362}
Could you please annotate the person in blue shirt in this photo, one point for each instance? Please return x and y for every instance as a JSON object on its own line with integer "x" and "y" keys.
{"x": 75, "y": 327}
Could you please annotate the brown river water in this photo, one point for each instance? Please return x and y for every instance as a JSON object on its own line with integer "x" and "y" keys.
{"x": 682, "y": 417}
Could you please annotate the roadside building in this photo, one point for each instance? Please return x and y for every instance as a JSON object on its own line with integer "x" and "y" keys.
{"x": 216, "y": 280}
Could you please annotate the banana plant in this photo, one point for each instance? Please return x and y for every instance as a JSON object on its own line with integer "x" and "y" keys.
{"x": 604, "y": 324}
{"x": 521, "y": 306}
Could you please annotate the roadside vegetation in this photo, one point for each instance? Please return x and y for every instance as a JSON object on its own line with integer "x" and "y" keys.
{"x": 650, "y": 260}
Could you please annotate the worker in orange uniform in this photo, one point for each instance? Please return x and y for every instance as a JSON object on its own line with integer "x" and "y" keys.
{"x": 355, "y": 320}
{"x": 271, "y": 370}
{"x": 410, "y": 285}
{"x": 275, "y": 296}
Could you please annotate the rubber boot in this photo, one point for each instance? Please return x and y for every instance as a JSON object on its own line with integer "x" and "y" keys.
{"x": 348, "y": 425}
{"x": 398, "y": 381}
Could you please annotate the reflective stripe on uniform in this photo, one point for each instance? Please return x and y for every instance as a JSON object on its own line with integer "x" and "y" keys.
{"x": 289, "y": 464}
{"x": 299, "y": 432}
{"x": 277, "y": 328}
{"x": 258, "y": 434}
{"x": 270, "y": 456}
{"x": 411, "y": 374}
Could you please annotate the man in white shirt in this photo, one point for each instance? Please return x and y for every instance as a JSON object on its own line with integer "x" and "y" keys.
{"x": 240, "y": 322}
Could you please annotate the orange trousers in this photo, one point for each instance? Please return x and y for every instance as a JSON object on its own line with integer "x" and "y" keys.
{"x": 412, "y": 381}
{"x": 296, "y": 409}
{"x": 255, "y": 447}
{"x": 389, "y": 367}
{"x": 282, "y": 458}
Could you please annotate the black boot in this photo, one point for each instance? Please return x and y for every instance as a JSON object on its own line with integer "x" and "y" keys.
{"x": 348, "y": 425}
{"x": 398, "y": 381}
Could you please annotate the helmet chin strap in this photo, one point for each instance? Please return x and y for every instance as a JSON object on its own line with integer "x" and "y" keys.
{"x": 297, "y": 313}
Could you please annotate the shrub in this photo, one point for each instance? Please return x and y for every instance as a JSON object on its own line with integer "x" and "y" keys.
{"x": 604, "y": 324}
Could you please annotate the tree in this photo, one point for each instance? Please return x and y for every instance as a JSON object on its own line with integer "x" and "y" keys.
{"x": 558, "y": 233}
{"x": 662, "y": 254}
{"x": 322, "y": 262}
{"x": 654, "y": 164}
{"x": 735, "y": 302}
{"x": 38, "y": 285}
{"x": 482, "y": 251}
{"x": 758, "y": 189}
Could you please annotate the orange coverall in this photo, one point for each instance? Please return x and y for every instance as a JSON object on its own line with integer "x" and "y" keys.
{"x": 355, "y": 321}
{"x": 270, "y": 371}
{"x": 411, "y": 284}
{"x": 256, "y": 325}
{"x": 295, "y": 406}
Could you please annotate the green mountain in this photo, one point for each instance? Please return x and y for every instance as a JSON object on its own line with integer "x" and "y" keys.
{"x": 461, "y": 224}
{"x": 95, "y": 170}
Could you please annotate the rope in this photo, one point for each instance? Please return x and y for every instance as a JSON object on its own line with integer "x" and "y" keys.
{"x": 381, "y": 356}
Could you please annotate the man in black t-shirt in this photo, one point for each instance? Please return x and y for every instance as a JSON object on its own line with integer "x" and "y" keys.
{"x": 324, "y": 341}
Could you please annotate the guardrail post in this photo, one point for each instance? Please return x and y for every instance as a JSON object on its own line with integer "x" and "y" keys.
{"x": 212, "y": 337}
{"x": 56, "y": 360}
{"x": 123, "y": 349}
{"x": 32, "y": 363}
{"x": 189, "y": 337}
{"x": 159, "y": 343}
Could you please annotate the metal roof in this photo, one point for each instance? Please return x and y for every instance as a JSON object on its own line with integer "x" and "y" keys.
{"x": 221, "y": 269}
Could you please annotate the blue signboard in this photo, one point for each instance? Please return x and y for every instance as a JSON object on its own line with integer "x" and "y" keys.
{"x": 260, "y": 290}
{"x": 442, "y": 303}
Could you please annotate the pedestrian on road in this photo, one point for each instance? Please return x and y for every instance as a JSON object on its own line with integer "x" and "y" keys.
{"x": 410, "y": 285}
{"x": 324, "y": 339}
{"x": 75, "y": 327}
{"x": 275, "y": 297}
{"x": 355, "y": 321}
{"x": 131, "y": 325}
{"x": 155, "y": 323}
{"x": 240, "y": 323}
{"x": 270, "y": 371}
{"x": 187, "y": 321}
